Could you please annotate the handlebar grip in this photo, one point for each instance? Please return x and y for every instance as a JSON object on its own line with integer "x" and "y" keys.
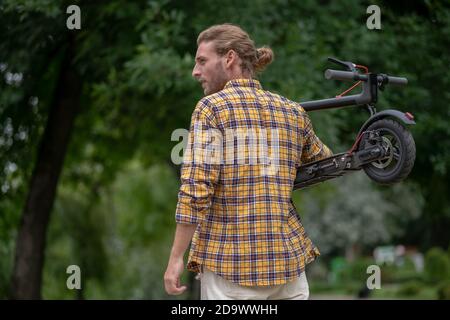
{"x": 341, "y": 75}
{"x": 399, "y": 81}
{"x": 331, "y": 74}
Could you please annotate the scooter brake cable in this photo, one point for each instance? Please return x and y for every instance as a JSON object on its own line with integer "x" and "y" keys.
{"x": 356, "y": 84}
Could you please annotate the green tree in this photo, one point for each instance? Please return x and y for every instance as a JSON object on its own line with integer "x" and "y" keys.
{"x": 437, "y": 266}
{"x": 72, "y": 68}
{"x": 353, "y": 214}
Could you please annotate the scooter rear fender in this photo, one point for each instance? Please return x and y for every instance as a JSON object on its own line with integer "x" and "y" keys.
{"x": 406, "y": 118}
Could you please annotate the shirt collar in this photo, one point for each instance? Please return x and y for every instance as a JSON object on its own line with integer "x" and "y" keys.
{"x": 252, "y": 83}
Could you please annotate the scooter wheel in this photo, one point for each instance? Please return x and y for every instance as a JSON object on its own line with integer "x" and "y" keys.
{"x": 401, "y": 153}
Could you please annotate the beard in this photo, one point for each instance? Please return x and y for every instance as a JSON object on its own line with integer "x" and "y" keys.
{"x": 218, "y": 81}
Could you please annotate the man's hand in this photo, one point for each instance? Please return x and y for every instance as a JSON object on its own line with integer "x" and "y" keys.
{"x": 172, "y": 277}
{"x": 175, "y": 267}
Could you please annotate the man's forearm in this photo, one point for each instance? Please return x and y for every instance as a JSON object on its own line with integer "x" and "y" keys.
{"x": 183, "y": 236}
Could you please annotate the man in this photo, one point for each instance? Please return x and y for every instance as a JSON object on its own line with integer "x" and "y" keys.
{"x": 247, "y": 239}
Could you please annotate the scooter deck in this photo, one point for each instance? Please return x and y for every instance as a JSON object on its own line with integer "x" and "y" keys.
{"x": 322, "y": 170}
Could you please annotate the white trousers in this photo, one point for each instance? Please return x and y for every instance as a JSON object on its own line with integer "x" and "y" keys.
{"x": 214, "y": 287}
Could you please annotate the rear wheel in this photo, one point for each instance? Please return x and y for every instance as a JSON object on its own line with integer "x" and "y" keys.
{"x": 400, "y": 149}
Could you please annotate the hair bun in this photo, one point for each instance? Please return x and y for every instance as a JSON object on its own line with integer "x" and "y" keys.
{"x": 264, "y": 57}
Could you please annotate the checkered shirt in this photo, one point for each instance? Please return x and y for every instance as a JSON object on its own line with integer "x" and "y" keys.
{"x": 244, "y": 147}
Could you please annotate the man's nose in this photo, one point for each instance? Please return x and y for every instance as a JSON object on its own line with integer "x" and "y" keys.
{"x": 195, "y": 72}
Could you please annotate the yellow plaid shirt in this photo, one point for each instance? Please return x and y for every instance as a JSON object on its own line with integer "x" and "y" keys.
{"x": 243, "y": 151}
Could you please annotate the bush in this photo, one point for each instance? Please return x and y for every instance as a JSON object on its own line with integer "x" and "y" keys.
{"x": 444, "y": 291}
{"x": 356, "y": 271}
{"x": 388, "y": 273}
{"x": 437, "y": 265}
{"x": 410, "y": 288}
{"x": 400, "y": 273}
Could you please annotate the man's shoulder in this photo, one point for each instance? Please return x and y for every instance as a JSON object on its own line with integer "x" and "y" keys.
{"x": 229, "y": 97}
{"x": 212, "y": 103}
{"x": 218, "y": 98}
{"x": 205, "y": 108}
{"x": 295, "y": 106}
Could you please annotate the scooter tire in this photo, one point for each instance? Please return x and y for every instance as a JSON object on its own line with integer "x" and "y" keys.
{"x": 405, "y": 157}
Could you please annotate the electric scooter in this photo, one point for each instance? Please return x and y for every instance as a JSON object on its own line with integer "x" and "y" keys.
{"x": 384, "y": 148}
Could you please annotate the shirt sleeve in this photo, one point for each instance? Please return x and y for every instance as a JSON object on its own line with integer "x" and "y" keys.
{"x": 313, "y": 149}
{"x": 201, "y": 167}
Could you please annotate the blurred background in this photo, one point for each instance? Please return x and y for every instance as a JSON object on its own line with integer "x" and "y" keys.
{"x": 86, "y": 118}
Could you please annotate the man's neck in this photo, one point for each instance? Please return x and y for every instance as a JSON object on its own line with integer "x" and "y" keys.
{"x": 238, "y": 74}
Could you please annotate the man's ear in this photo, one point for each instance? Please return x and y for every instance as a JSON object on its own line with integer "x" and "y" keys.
{"x": 231, "y": 57}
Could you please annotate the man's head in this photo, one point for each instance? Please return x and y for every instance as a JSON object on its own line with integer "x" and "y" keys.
{"x": 226, "y": 52}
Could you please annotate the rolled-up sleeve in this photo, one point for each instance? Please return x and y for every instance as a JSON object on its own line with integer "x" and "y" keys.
{"x": 313, "y": 148}
{"x": 201, "y": 167}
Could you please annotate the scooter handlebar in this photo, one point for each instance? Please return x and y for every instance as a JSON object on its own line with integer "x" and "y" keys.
{"x": 331, "y": 74}
{"x": 342, "y": 75}
{"x": 399, "y": 81}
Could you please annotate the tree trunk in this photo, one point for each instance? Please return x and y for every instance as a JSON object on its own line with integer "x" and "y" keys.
{"x": 30, "y": 246}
